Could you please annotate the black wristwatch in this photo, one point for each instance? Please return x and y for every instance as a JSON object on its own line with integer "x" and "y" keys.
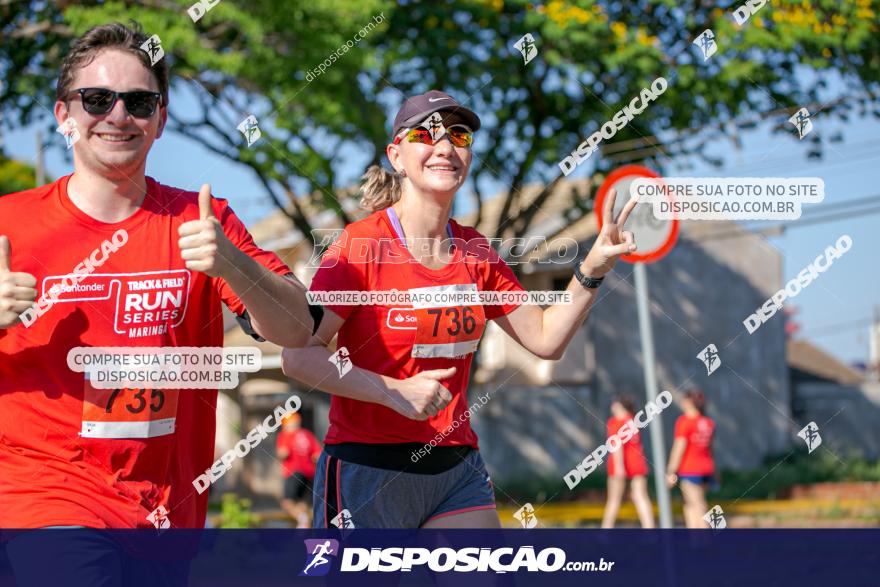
{"x": 587, "y": 282}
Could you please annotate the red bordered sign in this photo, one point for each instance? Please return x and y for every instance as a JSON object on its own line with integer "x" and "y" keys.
{"x": 655, "y": 238}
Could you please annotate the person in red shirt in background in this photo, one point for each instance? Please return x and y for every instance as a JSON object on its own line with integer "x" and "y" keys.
{"x": 627, "y": 463}
{"x": 299, "y": 451}
{"x": 690, "y": 462}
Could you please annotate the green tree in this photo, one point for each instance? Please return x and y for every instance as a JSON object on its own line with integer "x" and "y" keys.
{"x": 593, "y": 57}
{"x": 15, "y": 176}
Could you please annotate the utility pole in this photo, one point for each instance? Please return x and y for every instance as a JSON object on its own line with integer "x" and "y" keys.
{"x": 874, "y": 347}
{"x": 39, "y": 161}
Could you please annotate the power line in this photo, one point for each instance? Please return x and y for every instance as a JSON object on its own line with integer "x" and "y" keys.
{"x": 845, "y": 204}
{"x": 799, "y": 157}
{"x": 651, "y": 142}
{"x": 840, "y": 326}
{"x": 824, "y": 166}
{"x": 640, "y": 154}
{"x": 831, "y": 218}
{"x": 815, "y": 218}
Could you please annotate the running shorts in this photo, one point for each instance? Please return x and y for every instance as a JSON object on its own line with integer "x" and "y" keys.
{"x": 297, "y": 487}
{"x": 350, "y": 495}
{"x": 707, "y": 481}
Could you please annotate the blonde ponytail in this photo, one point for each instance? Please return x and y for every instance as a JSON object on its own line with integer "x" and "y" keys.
{"x": 380, "y": 189}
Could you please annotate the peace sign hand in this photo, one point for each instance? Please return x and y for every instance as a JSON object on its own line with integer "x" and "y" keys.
{"x": 612, "y": 241}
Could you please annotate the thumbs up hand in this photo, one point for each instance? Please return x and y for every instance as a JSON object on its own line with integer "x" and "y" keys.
{"x": 203, "y": 245}
{"x": 17, "y": 290}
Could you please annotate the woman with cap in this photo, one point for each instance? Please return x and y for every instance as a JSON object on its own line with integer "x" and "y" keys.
{"x": 690, "y": 461}
{"x": 400, "y": 452}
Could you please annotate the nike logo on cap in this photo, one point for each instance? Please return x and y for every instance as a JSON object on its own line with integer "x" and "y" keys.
{"x": 435, "y": 99}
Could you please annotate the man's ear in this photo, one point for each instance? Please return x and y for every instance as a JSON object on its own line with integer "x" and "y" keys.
{"x": 163, "y": 120}
{"x": 61, "y": 112}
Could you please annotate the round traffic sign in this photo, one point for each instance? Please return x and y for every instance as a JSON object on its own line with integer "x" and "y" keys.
{"x": 654, "y": 237}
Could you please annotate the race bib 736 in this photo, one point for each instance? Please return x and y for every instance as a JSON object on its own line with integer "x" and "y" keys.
{"x": 446, "y": 327}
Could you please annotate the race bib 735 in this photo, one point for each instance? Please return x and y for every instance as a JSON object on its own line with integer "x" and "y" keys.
{"x": 128, "y": 413}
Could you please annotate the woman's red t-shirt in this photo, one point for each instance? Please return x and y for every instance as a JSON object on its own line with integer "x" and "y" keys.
{"x": 634, "y": 462}
{"x": 698, "y": 431}
{"x": 400, "y": 340}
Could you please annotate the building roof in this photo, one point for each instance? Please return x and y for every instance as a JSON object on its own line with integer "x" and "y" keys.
{"x": 815, "y": 363}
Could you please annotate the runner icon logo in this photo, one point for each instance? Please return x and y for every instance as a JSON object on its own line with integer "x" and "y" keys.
{"x": 68, "y": 130}
{"x": 434, "y": 124}
{"x": 801, "y": 121}
{"x": 715, "y": 518}
{"x": 706, "y": 43}
{"x": 250, "y": 129}
{"x": 710, "y": 358}
{"x": 159, "y": 518}
{"x": 343, "y": 520}
{"x": 319, "y": 552}
{"x": 526, "y": 46}
{"x": 342, "y": 361}
{"x": 810, "y": 434}
{"x": 153, "y": 48}
{"x": 526, "y": 516}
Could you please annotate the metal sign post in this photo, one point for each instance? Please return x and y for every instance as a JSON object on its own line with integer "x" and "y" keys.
{"x": 658, "y": 445}
{"x": 655, "y": 238}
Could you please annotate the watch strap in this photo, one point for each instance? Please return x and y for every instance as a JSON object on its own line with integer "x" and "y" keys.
{"x": 587, "y": 282}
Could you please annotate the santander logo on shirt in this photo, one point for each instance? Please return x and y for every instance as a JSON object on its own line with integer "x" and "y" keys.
{"x": 401, "y": 319}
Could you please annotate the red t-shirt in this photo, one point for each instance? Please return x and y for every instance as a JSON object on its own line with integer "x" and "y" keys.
{"x": 68, "y": 455}
{"x": 400, "y": 340}
{"x": 698, "y": 432}
{"x": 633, "y": 455}
{"x": 302, "y": 450}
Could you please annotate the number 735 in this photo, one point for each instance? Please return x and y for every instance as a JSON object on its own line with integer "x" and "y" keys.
{"x": 139, "y": 401}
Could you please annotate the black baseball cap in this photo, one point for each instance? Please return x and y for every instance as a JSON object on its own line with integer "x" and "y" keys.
{"x": 418, "y": 108}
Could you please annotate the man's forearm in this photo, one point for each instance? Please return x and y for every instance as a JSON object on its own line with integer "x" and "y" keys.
{"x": 277, "y": 306}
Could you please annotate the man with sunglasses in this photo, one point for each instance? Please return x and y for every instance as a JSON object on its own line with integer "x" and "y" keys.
{"x": 118, "y": 260}
{"x": 400, "y": 451}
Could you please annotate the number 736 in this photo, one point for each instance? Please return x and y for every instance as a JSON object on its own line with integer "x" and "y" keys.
{"x": 461, "y": 318}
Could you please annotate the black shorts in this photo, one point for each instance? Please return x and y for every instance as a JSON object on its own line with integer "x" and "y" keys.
{"x": 86, "y": 557}
{"x": 298, "y": 488}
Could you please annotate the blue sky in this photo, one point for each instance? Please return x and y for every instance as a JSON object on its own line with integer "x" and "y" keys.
{"x": 834, "y": 311}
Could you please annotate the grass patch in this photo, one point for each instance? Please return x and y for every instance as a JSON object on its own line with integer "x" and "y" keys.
{"x": 777, "y": 473}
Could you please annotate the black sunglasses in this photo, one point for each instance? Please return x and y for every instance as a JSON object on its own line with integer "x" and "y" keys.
{"x": 140, "y": 104}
